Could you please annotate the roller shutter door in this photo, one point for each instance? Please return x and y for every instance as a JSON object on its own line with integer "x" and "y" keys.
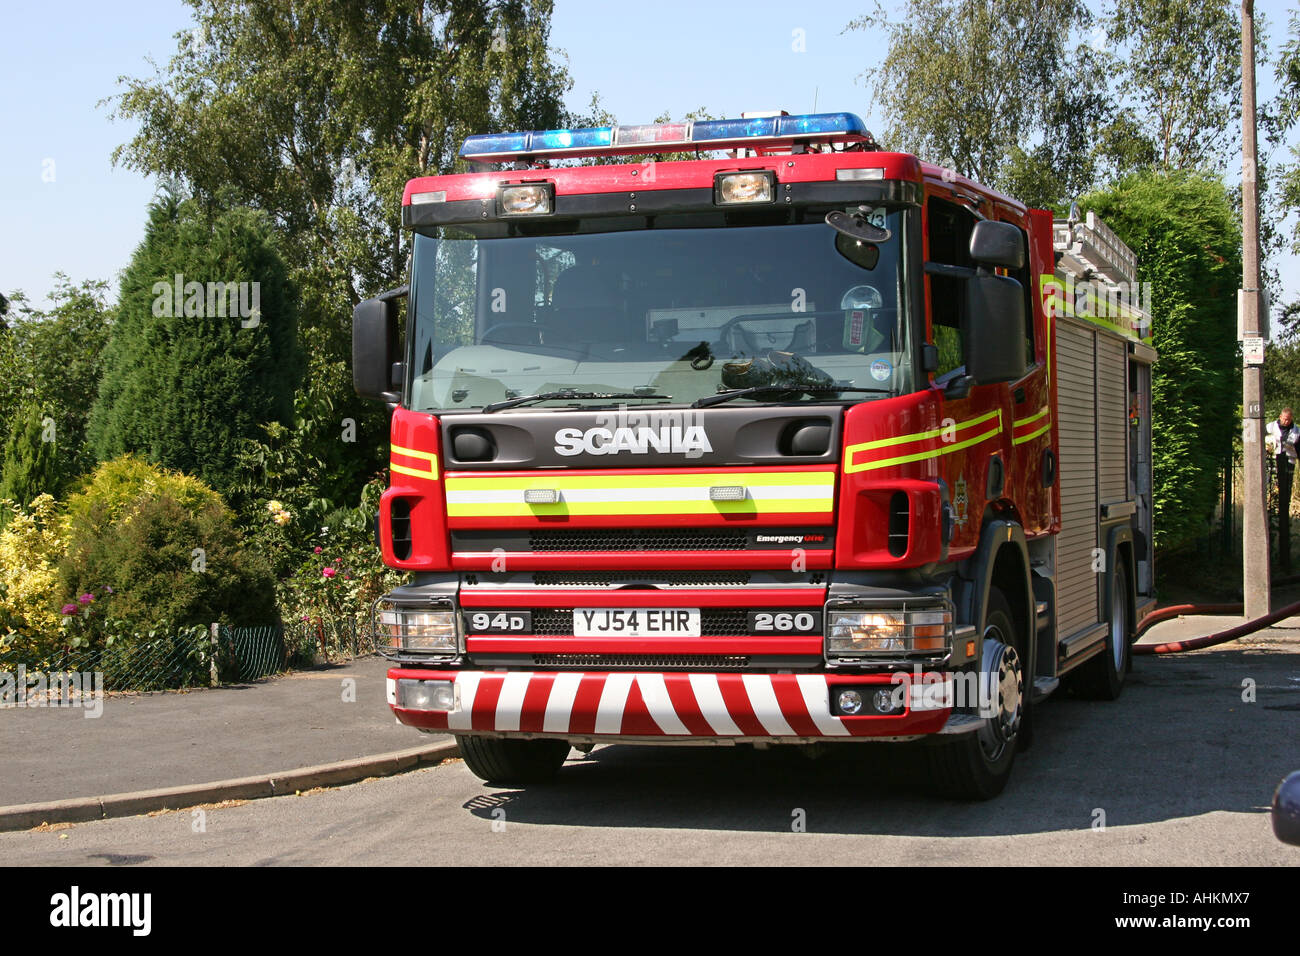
{"x": 1076, "y": 581}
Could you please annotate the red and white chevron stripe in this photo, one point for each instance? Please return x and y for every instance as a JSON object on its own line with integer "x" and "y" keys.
{"x": 681, "y": 705}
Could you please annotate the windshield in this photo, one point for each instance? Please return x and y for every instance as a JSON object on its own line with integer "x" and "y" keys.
{"x": 673, "y": 315}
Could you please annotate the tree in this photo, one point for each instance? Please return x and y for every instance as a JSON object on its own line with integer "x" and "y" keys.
{"x": 1179, "y": 64}
{"x": 204, "y": 351}
{"x": 29, "y": 467}
{"x": 1187, "y": 237}
{"x": 968, "y": 83}
{"x": 317, "y": 112}
{"x": 52, "y": 361}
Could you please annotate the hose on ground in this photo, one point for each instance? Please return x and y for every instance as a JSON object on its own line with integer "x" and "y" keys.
{"x": 1209, "y": 640}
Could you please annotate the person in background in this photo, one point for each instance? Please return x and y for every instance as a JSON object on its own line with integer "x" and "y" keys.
{"x": 1280, "y": 440}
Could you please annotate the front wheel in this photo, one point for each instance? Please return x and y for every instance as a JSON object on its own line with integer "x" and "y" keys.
{"x": 513, "y": 761}
{"x": 976, "y": 765}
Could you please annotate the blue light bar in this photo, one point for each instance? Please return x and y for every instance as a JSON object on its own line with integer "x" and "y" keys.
{"x": 766, "y": 131}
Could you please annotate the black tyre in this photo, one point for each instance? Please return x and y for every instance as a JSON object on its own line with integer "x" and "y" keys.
{"x": 513, "y": 761}
{"x": 976, "y": 765}
{"x": 1102, "y": 676}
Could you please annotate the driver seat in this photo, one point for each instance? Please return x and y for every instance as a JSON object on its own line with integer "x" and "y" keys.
{"x": 586, "y": 306}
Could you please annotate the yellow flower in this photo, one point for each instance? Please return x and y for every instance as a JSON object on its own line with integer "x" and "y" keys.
{"x": 274, "y": 506}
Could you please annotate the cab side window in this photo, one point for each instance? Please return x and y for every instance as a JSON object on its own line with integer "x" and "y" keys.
{"x": 949, "y": 227}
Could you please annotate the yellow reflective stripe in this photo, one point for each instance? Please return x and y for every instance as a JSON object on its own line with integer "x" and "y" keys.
{"x": 921, "y": 456}
{"x": 1032, "y": 418}
{"x": 1048, "y": 323}
{"x": 1031, "y": 436}
{"x": 703, "y": 507}
{"x": 414, "y": 453}
{"x": 403, "y": 470}
{"x": 851, "y": 466}
{"x": 430, "y": 457}
{"x": 814, "y": 480}
{"x": 919, "y": 436}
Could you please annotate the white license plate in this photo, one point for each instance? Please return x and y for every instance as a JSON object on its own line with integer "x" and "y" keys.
{"x": 636, "y": 622}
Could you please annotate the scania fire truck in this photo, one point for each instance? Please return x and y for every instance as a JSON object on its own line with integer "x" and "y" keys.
{"x": 796, "y": 442}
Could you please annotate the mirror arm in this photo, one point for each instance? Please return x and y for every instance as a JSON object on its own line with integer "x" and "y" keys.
{"x": 958, "y": 387}
{"x": 953, "y": 272}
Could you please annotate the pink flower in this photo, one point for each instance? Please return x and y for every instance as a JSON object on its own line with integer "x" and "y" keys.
{"x": 319, "y": 549}
{"x": 329, "y": 572}
{"x": 86, "y": 598}
{"x": 108, "y": 589}
{"x": 69, "y": 609}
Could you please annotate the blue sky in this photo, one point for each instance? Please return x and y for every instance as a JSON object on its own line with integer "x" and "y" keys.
{"x": 64, "y": 207}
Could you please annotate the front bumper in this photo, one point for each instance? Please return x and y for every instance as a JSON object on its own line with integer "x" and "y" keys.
{"x": 656, "y": 707}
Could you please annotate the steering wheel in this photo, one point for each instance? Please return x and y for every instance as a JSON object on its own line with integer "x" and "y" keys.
{"x": 727, "y": 336}
{"x": 536, "y": 331}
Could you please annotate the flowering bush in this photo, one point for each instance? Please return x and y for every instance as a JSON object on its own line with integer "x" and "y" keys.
{"x": 340, "y": 573}
{"x": 30, "y": 547}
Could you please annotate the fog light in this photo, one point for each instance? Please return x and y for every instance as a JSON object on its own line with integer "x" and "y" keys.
{"x": 849, "y": 702}
{"x": 888, "y": 700}
{"x": 426, "y": 694}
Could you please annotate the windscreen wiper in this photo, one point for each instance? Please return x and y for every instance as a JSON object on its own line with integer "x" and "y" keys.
{"x": 721, "y": 397}
{"x": 568, "y": 393}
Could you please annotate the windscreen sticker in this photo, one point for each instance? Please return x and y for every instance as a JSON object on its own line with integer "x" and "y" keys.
{"x": 857, "y": 327}
{"x": 881, "y": 370}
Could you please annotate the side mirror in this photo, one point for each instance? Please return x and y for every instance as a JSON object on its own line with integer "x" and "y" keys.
{"x": 374, "y": 348}
{"x": 997, "y": 244}
{"x": 995, "y": 332}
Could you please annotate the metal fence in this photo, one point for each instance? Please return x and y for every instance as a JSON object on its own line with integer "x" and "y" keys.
{"x": 201, "y": 656}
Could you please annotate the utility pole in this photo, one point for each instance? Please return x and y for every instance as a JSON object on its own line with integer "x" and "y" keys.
{"x": 1255, "y": 520}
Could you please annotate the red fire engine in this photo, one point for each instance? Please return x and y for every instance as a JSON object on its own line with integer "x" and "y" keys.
{"x": 812, "y": 442}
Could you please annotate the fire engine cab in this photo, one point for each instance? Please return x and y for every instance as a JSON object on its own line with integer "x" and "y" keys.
{"x": 797, "y": 442}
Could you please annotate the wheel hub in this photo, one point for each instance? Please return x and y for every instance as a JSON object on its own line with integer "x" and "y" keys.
{"x": 1002, "y": 694}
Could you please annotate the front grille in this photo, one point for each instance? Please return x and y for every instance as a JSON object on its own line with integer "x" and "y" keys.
{"x": 714, "y": 622}
{"x": 638, "y": 539}
{"x": 663, "y": 579}
{"x": 681, "y": 661}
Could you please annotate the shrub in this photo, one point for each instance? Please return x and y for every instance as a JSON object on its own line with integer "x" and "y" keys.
{"x": 146, "y": 545}
{"x": 29, "y": 467}
{"x": 30, "y": 547}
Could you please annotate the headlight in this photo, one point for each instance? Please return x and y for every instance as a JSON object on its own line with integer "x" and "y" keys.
{"x": 888, "y": 633}
{"x": 730, "y": 188}
{"x": 532, "y": 199}
{"x": 419, "y": 630}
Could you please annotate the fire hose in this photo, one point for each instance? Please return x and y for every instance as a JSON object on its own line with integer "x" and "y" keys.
{"x": 1209, "y": 640}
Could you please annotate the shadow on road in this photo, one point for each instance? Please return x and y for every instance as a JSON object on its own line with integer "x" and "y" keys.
{"x": 1179, "y": 743}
